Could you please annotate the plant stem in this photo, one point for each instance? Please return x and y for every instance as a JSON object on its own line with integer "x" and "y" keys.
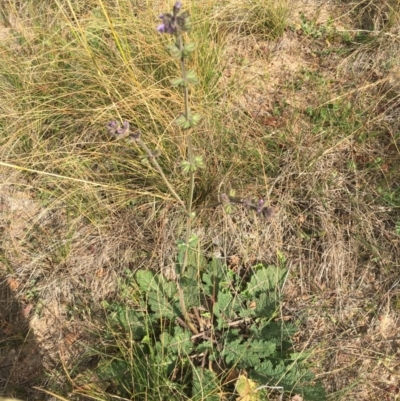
{"x": 160, "y": 171}
{"x": 189, "y": 218}
{"x": 182, "y": 304}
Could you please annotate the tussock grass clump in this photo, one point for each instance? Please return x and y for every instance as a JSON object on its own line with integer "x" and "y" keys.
{"x": 376, "y": 15}
{"x": 263, "y": 19}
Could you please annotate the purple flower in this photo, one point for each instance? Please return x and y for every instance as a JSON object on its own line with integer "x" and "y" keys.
{"x": 269, "y": 213}
{"x": 175, "y": 22}
{"x": 124, "y": 130}
{"x": 112, "y": 127}
{"x": 118, "y": 131}
{"x": 177, "y": 6}
{"x": 260, "y": 205}
{"x": 134, "y": 136}
{"x": 168, "y": 25}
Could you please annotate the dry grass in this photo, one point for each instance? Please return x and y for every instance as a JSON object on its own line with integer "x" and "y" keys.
{"x": 303, "y": 112}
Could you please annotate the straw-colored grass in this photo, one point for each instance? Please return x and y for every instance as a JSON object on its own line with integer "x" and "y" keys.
{"x": 300, "y": 106}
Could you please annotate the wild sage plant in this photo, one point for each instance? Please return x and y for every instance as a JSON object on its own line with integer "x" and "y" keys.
{"x": 242, "y": 334}
{"x": 176, "y": 24}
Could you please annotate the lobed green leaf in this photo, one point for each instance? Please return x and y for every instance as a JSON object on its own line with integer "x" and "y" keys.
{"x": 182, "y": 122}
{"x": 265, "y": 279}
{"x": 192, "y": 78}
{"x": 178, "y": 82}
{"x": 174, "y": 51}
{"x": 194, "y": 120}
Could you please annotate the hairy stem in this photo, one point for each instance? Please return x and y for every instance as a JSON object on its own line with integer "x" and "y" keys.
{"x": 160, "y": 171}
{"x": 189, "y": 218}
{"x": 182, "y": 304}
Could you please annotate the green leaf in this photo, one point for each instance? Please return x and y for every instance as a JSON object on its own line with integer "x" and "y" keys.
{"x": 291, "y": 377}
{"x": 165, "y": 356}
{"x": 198, "y": 161}
{"x": 212, "y": 278}
{"x": 191, "y": 292}
{"x": 114, "y": 369}
{"x": 228, "y": 208}
{"x": 192, "y": 78}
{"x": 165, "y": 339}
{"x": 223, "y": 308}
{"x": 186, "y": 166}
{"x": 224, "y": 300}
{"x": 258, "y": 349}
{"x": 232, "y": 351}
{"x": 163, "y": 306}
{"x": 193, "y": 240}
{"x": 266, "y": 305}
{"x": 181, "y": 343}
{"x": 247, "y": 313}
{"x": 145, "y": 280}
{"x": 160, "y": 293}
{"x": 192, "y": 271}
{"x": 181, "y": 247}
{"x": 190, "y": 47}
{"x": 315, "y": 392}
{"x": 249, "y": 353}
{"x": 188, "y": 23}
{"x": 268, "y": 330}
{"x": 195, "y": 259}
{"x": 115, "y": 372}
{"x": 205, "y": 385}
{"x": 267, "y": 370}
{"x": 182, "y": 122}
{"x": 205, "y": 346}
{"x": 174, "y": 50}
{"x": 208, "y": 280}
{"x": 265, "y": 279}
{"x": 178, "y": 82}
{"x": 194, "y": 120}
{"x": 131, "y": 320}
{"x": 178, "y": 344}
